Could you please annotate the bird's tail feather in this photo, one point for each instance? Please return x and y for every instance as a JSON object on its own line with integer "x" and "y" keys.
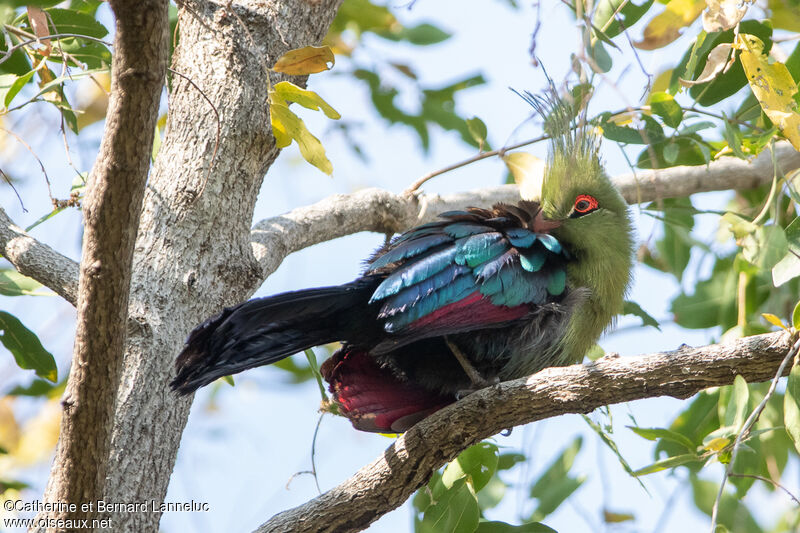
{"x": 265, "y": 330}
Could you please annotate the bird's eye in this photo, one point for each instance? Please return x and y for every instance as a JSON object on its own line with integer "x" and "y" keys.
{"x": 584, "y": 204}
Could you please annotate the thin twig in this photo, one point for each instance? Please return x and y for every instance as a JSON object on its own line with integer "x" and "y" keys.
{"x": 768, "y": 480}
{"x": 8, "y": 180}
{"x": 11, "y": 49}
{"x": 483, "y": 155}
{"x": 746, "y": 429}
{"x": 219, "y": 131}
{"x": 41, "y": 165}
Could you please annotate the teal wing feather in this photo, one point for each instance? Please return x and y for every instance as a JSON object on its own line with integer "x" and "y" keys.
{"x": 471, "y": 270}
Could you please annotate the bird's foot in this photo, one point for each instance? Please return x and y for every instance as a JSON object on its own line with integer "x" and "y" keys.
{"x": 476, "y": 386}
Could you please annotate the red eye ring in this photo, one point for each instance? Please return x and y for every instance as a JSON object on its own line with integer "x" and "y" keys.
{"x": 585, "y": 204}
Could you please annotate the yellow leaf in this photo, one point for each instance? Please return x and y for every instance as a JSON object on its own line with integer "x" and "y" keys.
{"x": 724, "y": 14}
{"x": 717, "y": 444}
{"x": 774, "y": 320}
{"x": 92, "y": 102}
{"x": 528, "y": 172}
{"x": 666, "y": 26}
{"x": 610, "y": 517}
{"x": 9, "y": 430}
{"x": 772, "y": 86}
{"x": 40, "y": 435}
{"x": 306, "y": 60}
{"x": 287, "y": 125}
{"x": 285, "y": 92}
{"x": 661, "y": 81}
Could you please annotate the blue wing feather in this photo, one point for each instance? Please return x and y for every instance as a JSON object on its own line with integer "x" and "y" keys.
{"x": 409, "y": 248}
{"x": 411, "y": 295}
{"x": 444, "y": 262}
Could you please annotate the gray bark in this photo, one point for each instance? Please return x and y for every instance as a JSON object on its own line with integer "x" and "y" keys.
{"x": 193, "y": 253}
{"x": 111, "y": 218}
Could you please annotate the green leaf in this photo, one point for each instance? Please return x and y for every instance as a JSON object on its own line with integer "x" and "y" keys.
{"x": 502, "y": 527}
{"x": 666, "y": 434}
{"x": 765, "y": 247}
{"x": 690, "y": 152}
{"x": 38, "y": 387}
{"x": 791, "y": 406}
{"x": 694, "y": 422}
{"x": 555, "y": 485}
{"x": 477, "y": 129}
{"x": 12, "y": 283}
{"x": 26, "y": 348}
{"x": 507, "y": 461}
{"x": 796, "y": 316}
{"x": 671, "y": 153}
{"x": 734, "y": 411}
{"x": 423, "y": 34}
{"x": 698, "y": 126}
{"x": 14, "y": 88}
{"x": 17, "y": 63}
{"x": 789, "y": 266}
{"x": 606, "y": 438}
{"x": 675, "y": 246}
{"x": 669, "y": 462}
{"x": 312, "y": 362}
{"x": 477, "y": 464}
{"x": 713, "y": 302}
{"x": 492, "y": 494}
{"x": 72, "y": 21}
{"x": 663, "y": 105}
{"x": 733, "y": 136}
{"x": 455, "y": 511}
{"x": 601, "y": 56}
{"x": 651, "y": 132}
{"x": 632, "y": 308}
{"x": 287, "y": 126}
{"x": 604, "y": 15}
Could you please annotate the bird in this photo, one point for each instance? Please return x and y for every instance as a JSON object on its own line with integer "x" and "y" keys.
{"x": 478, "y": 296}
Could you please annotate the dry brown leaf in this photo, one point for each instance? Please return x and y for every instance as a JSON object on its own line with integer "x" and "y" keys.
{"x": 38, "y": 20}
{"x": 719, "y": 60}
{"x": 723, "y": 15}
{"x": 307, "y": 60}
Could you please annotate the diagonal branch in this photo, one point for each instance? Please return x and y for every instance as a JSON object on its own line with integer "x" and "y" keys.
{"x": 407, "y": 464}
{"x": 382, "y": 211}
{"x": 38, "y": 261}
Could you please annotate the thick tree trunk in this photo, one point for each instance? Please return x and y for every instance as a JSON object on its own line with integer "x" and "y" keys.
{"x": 111, "y": 212}
{"x": 193, "y": 252}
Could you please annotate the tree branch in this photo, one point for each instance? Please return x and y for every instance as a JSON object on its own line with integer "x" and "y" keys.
{"x": 111, "y": 212}
{"x": 408, "y": 463}
{"x": 38, "y": 261}
{"x": 385, "y": 212}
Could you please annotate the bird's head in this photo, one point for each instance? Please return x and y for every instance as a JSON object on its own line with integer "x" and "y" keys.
{"x": 594, "y": 223}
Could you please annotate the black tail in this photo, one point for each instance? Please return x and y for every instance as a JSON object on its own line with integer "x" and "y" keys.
{"x": 265, "y": 330}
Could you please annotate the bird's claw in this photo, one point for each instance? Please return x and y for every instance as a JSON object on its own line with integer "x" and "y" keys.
{"x": 476, "y": 386}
